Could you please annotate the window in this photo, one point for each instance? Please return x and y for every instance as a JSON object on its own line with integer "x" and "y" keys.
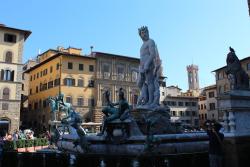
{"x": 36, "y": 106}
{"x": 201, "y": 106}
{"x": 6, "y": 93}
{"x": 5, "y": 106}
{"x": 70, "y": 65}
{"x": 41, "y": 87}
{"x": 22, "y": 87}
{"x": 31, "y": 78}
{"x": 91, "y": 83}
{"x": 80, "y": 83}
{"x": 45, "y": 86}
{"x": 187, "y": 113}
{"x": 36, "y": 89}
{"x": 248, "y": 66}
{"x": 134, "y": 76}
{"x": 51, "y": 69}
{"x": 57, "y": 66}
{"x": 44, "y": 103}
{"x": 69, "y": 81}
{"x": 205, "y": 106}
{"x": 210, "y": 94}
{"x": 187, "y": 103}
{"x": 205, "y": 116}
{"x": 91, "y": 102}
{"x": 40, "y": 103}
{"x": 81, "y": 67}
{"x": 45, "y": 72}
{"x": 91, "y": 68}
{"x": 212, "y": 106}
{"x": 8, "y": 57}
{"x": 41, "y": 74}
{"x": 180, "y": 103}
{"x": 30, "y": 91}
{"x": 10, "y": 38}
{"x": 173, "y": 113}
{"x": 7, "y": 75}
{"x": 34, "y": 76}
{"x": 193, "y": 113}
{"x": 80, "y": 101}
{"x": 37, "y": 75}
{"x": 173, "y": 103}
{"x": 50, "y": 84}
{"x": 120, "y": 72}
{"x": 194, "y": 103}
{"x": 57, "y": 82}
{"x": 69, "y": 99}
{"x": 106, "y": 71}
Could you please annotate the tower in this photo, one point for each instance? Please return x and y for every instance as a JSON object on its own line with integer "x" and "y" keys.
{"x": 193, "y": 77}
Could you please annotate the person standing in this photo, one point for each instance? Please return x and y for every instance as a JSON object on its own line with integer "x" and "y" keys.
{"x": 215, "y": 144}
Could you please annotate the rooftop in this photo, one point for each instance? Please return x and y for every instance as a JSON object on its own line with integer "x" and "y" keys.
{"x": 26, "y": 32}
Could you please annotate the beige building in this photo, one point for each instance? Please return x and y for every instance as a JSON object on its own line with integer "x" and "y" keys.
{"x": 114, "y": 72}
{"x": 11, "y": 54}
{"x": 183, "y": 109}
{"x": 208, "y": 109}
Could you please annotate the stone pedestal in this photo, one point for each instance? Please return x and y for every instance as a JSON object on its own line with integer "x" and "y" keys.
{"x": 235, "y": 106}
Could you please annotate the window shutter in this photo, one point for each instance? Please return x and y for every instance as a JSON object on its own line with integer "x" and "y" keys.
{"x": 12, "y": 75}
{"x": 65, "y": 81}
{"x": 2, "y": 74}
{"x": 73, "y": 82}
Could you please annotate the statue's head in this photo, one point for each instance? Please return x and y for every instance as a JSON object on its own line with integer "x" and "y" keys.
{"x": 143, "y": 32}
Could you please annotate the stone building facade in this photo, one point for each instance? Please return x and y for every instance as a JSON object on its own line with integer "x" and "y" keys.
{"x": 114, "y": 72}
{"x": 11, "y": 53}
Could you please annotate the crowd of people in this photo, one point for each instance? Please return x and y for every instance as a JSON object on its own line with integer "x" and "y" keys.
{"x": 26, "y": 134}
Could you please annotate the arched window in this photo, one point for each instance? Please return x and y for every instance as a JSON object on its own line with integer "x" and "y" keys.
{"x": 6, "y": 93}
{"x": 8, "y": 57}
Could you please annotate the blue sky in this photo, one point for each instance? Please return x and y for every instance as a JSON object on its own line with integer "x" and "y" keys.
{"x": 185, "y": 31}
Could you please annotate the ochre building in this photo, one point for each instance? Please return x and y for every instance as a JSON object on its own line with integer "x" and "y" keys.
{"x": 62, "y": 70}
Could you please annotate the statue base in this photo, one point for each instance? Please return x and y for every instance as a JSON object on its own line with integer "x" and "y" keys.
{"x": 235, "y": 106}
{"x": 159, "y": 118}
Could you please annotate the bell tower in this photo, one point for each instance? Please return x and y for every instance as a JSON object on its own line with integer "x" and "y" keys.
{"x": 193, "y": 77}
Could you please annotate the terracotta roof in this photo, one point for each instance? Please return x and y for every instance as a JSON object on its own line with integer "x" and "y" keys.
{"x": 115, "y": 55}
{"x": 55, "y": 56}
{"x": 26, "y": 32}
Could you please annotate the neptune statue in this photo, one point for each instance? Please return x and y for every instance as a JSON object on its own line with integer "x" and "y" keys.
{"x": 149, "y": 72}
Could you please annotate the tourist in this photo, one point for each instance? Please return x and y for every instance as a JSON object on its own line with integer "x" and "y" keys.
{"x": 15, "y": 135}
{"x": 215, "y": 143}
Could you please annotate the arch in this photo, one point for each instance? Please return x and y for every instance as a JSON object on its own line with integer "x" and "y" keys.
{"x": 6, "y": 93}
{"x": 8, "y": 56}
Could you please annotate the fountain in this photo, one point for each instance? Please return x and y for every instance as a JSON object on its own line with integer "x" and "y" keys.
{"x": 141, "y": 131}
